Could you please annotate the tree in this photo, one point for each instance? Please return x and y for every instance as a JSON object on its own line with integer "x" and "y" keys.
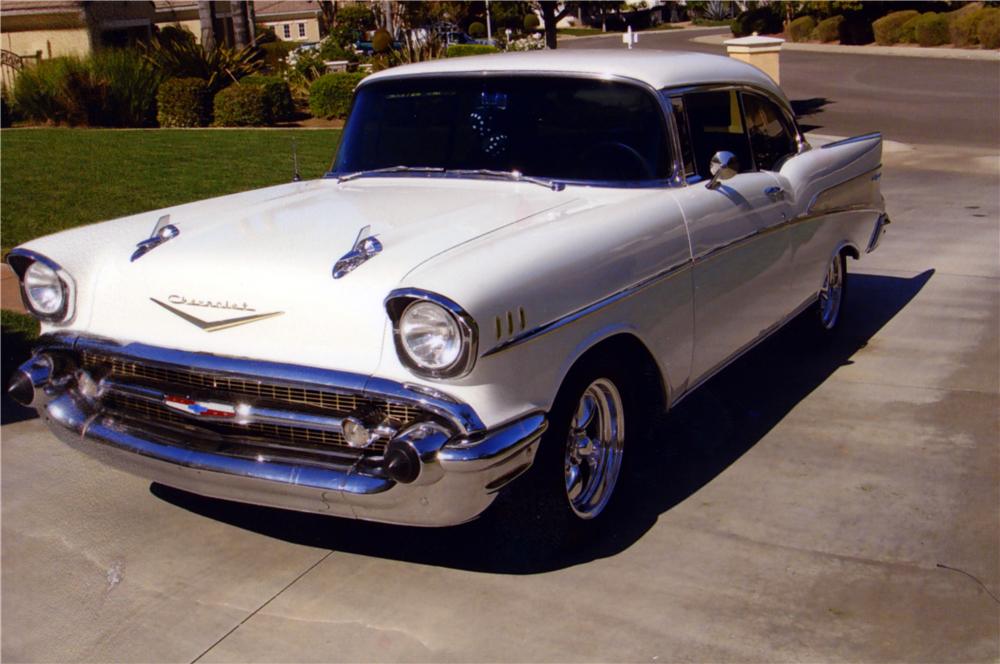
{"x": 206, "y": 17}
{"x": 241, "y": 26}
{"x": 552, "y": 14}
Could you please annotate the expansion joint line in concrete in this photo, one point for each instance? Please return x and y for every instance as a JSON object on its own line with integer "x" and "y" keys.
{"x": 259, "y": 608}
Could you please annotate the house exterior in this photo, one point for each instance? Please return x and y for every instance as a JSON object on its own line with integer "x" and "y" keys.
{"x": 184, "y": 14}
{"x": 53, "y": 28}
{"x": 291, "y": 20}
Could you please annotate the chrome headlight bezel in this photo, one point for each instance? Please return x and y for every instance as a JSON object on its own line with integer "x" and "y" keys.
{"x": 22, "y": 259}
{"x": 397, "y": 303}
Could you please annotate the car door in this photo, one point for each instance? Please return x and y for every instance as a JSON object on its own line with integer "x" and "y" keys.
{"x": 739, "y": 261}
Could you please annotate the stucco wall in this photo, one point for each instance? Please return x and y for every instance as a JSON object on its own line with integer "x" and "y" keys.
{"x": 74, "y": 41}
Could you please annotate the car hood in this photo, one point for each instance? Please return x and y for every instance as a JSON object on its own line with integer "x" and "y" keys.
{"x": 251, "y": 274}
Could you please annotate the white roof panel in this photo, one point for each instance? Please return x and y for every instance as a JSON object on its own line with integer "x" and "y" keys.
{"x": 660, "y": 69}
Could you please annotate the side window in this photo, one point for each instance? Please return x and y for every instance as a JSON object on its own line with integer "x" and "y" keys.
{"x": 716, "y": 125}
{"x": 771, "y": 138}
{"x": 683, "y": 135}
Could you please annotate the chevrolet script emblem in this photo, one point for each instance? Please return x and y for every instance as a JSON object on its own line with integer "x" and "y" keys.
{"x": 215, "y": 325}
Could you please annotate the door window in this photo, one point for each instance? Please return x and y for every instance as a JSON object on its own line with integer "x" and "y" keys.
{"x": 716, "y": 125}
{"x": 771, "y": 138}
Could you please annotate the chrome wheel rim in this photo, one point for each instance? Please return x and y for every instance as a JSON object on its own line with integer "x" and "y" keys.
{"x": 594, "y": 448}
{"x": 831, "y": 293}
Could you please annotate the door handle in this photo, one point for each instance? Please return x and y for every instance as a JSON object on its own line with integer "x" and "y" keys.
{"x": 774, "y": 193}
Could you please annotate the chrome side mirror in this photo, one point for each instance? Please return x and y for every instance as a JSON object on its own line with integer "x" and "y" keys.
{"x": 723, "y": 166}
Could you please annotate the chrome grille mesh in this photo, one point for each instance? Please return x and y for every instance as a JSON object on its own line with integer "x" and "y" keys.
{"x": 296, "y": 443}
{"x": 220, "y": 384}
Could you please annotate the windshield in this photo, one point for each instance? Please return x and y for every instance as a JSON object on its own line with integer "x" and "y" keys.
{"x": 547, "y": 127}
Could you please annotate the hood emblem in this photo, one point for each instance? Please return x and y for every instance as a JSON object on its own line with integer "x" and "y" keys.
{"x": 216, "y": 325}
{"x": 365, "y": 247}
{"x": 199, "y": 408}
{"x": 162, "y": 231}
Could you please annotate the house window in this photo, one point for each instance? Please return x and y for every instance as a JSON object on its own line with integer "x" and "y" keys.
{"x": 287, "y": 30}
{"x": 302, "y": 30}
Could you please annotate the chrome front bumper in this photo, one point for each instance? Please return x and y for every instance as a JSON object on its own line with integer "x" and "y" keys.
{"x": 459, "y": 475}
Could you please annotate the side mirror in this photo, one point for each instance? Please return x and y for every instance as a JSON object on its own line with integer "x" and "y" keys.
{"x": 723, "y": 166}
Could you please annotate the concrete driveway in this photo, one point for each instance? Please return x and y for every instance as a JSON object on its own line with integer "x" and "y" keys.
{"x": 834, "y": 502}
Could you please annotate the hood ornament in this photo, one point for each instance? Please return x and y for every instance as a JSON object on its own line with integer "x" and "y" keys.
{"x": 365, "y": 247}
{"x": 215, "y": 325}
{"x": 162, "y": 231}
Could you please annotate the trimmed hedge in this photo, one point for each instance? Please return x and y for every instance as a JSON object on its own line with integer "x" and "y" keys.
{"x": 828, "y": 29}
{"x": 330, "y": 95}
{"x": 907, "y": 33}
{"x": 762, "y": 20}
{"x": 964, "y": 27}
{"x": 531, "y": 22}
{"x": 989, "y": 28}
{"x": 889, "y": 29}
{"x": 275, "y": 52}
{"x": 801, "y": 28}
{"x": 460, "y": 50}
{"x": 276, "y": 92}
{"x": 477, "y": 30}
{"x": 241, "y": 106}
{"x": 183, "y": 102}
{"x": 931, "y": 29}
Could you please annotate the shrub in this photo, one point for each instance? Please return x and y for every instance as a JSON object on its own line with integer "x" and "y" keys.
{"x": 186, "y": 59}
{"x": 763, "y": 20}
{"x": 5, "y": 116}
{"x": 275, "y": 52}
{"x": 111, "y": 88}
{"x": 477, "y": 30}
{"x": 931, "y": 29}
{"x": 828, "y": 29}
{"x": 183, "y": 102}
{"x": 331, "y": 50}
{"x": 460, "y": 50}
{"x": 907, "y": 33}
{"x": 856, "y": 28}
{"x": 241, "y": 106}
{"x": 888, "y": 29}
{"x": 989, "y": 28}
{"x": 801, "y": 28}
{"x": 531, "y": 22}
{"x": 277, "y": 94}
{"x": 963, "y": 26}
{"x": 381, "y": 41}
{"x": 330, "y": 95}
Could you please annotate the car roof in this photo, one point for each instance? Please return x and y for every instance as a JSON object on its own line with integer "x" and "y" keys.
{"x": 659, "y": 69}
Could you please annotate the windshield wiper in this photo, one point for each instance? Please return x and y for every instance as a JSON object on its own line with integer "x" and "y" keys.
{"x": 515, "y": 176}
{"x": 390, "y": 169}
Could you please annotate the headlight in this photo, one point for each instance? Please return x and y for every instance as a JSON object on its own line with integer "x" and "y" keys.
{"x": 47, "y": 290}
{"x": 430, "y": 336}
{"x": 43, "y": 289}
{"x": 434, "y": 336}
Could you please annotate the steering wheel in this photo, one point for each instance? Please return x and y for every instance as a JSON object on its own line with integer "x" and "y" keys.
{"x": 612, "y": 148}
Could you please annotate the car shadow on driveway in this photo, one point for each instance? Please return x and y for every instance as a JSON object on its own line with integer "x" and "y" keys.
{"x": 702, "y": 436}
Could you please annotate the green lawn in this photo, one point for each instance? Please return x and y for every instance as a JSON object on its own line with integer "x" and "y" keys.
{"x": 54, "y": 179}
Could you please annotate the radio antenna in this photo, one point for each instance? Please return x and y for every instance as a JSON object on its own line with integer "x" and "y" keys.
{"x": 295, "y": 163}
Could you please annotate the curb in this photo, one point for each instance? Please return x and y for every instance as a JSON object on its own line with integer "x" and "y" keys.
{"x": 896, "y": 51}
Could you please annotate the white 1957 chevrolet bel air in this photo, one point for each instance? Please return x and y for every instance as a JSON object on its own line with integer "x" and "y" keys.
{"x": 511, "y": 259}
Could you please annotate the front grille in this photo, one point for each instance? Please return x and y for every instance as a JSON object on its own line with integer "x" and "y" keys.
{"x": 298, "y": 444}
{"x": 333, "y": 402}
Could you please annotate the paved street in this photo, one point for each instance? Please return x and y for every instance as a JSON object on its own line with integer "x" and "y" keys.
{"x": 810, "y": 503}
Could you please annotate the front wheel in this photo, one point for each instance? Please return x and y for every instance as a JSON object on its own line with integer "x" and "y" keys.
{"x": 594, "y": 443}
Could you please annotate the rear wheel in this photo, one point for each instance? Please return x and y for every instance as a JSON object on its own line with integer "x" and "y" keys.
{"x": 833, "y": 293}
